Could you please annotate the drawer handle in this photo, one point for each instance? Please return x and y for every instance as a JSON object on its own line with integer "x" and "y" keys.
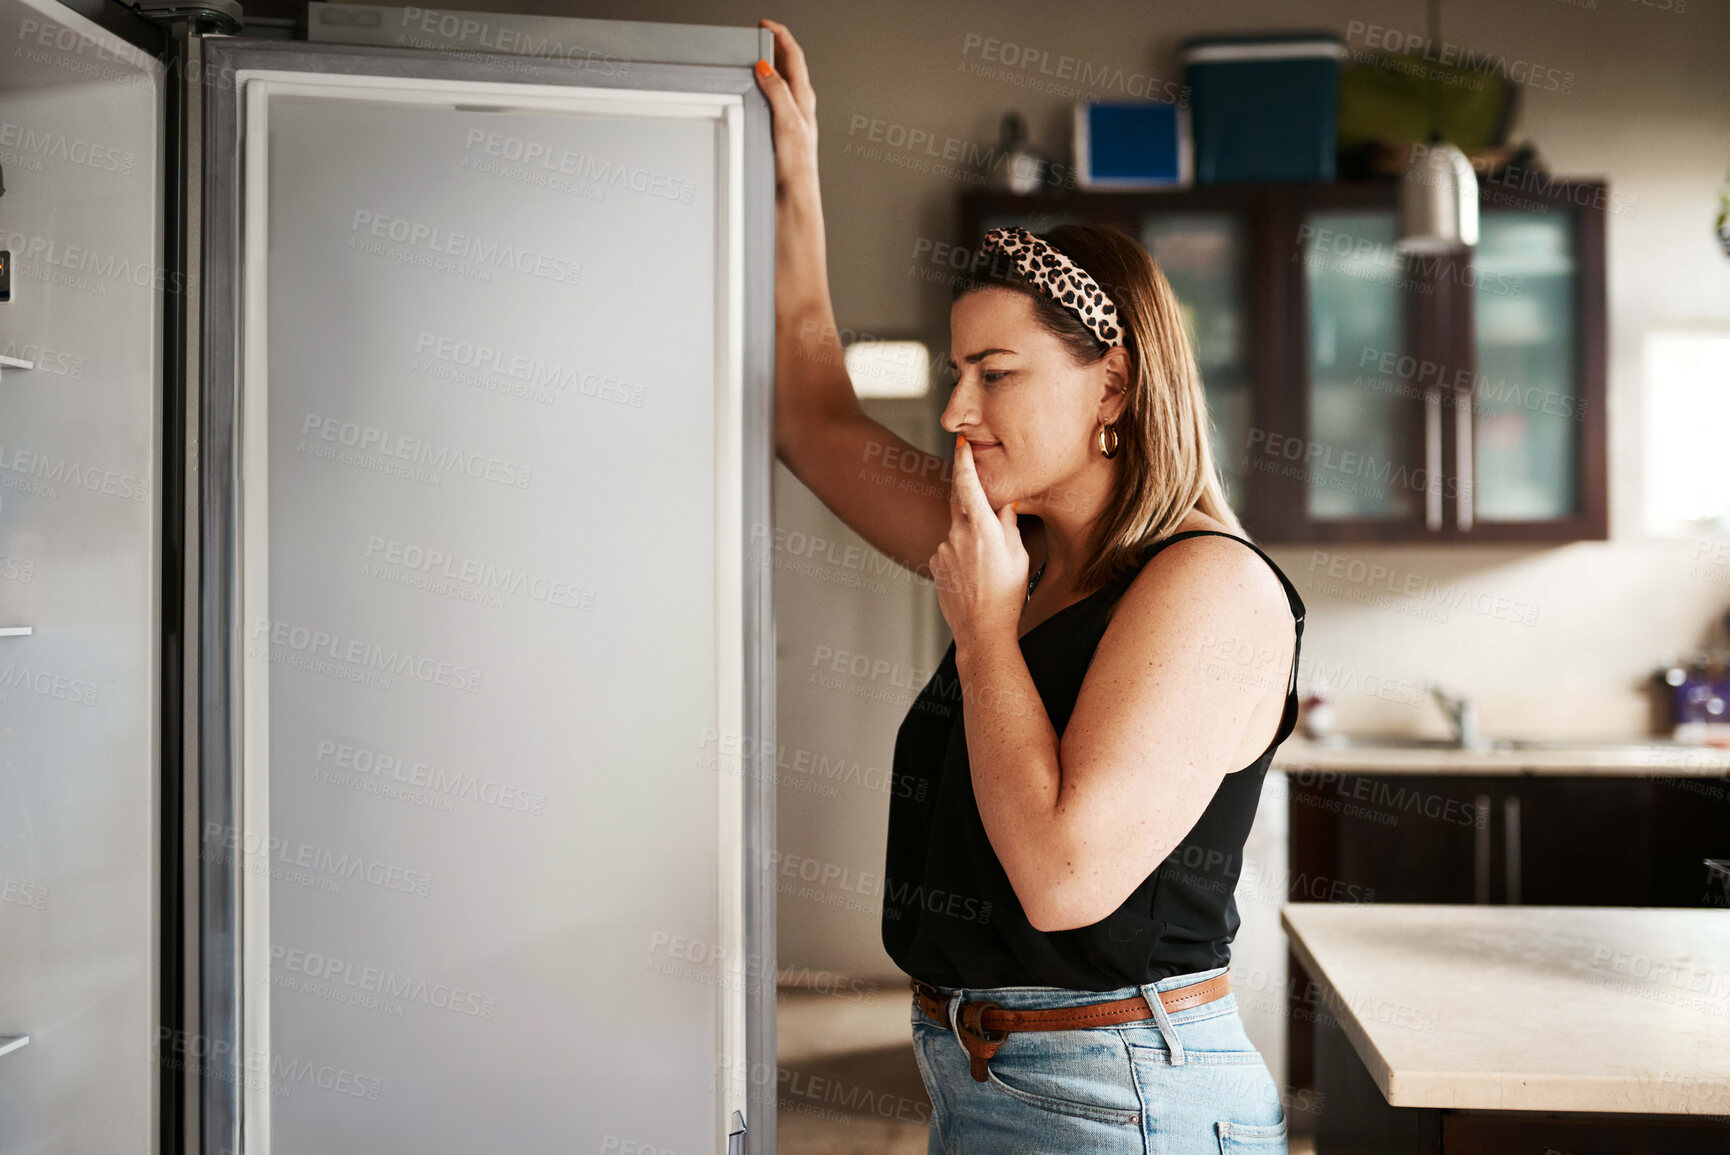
{"x": 1481, "y": 852}
{"x": 1511, "y": 847}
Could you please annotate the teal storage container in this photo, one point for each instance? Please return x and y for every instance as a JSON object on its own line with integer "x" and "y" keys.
{"x": 1263, "y": 108}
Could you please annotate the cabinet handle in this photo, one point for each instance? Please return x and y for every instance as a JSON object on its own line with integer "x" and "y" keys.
{"x": 1463, "y": 456}
{"x": 1481, "y": 852}
{"x": 1433, "y": 459}
{"x": 1511, "y": 847}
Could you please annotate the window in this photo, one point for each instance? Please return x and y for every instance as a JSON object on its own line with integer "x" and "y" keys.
{"x": 1687, "y": 378}
{"x": 889, "y": 368}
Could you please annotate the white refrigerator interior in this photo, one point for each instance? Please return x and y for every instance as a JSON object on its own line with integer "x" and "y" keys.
{"x": 489, "y": 427}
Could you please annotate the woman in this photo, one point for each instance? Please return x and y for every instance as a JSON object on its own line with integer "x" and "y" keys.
{"x": 1074, "y": 785}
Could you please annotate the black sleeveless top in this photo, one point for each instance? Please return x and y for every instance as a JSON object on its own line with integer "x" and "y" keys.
{"x": 950, "y": 916}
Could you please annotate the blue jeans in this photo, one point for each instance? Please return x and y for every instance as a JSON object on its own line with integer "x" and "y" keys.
{"x": 1184, "y": 1083}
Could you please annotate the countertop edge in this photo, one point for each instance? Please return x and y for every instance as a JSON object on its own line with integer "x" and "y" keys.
{"x": 1610, "y": 1093}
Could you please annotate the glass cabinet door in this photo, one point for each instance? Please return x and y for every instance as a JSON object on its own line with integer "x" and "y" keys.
{"x": 1204, "y": 257}
{"x": 1360, "y": 394}
{"x": 1366, "y": 455}
{"x": 1525, "y": 392}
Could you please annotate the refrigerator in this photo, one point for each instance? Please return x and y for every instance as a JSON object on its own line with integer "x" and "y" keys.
{"x": 386, "y": 643}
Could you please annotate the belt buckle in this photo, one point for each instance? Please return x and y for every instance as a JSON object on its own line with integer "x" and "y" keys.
{"x": 939, "y": 1006}
{"x": 970, "y": 1026}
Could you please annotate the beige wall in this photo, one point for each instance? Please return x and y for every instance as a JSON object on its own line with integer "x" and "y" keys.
{"x": 1649, "y": 110}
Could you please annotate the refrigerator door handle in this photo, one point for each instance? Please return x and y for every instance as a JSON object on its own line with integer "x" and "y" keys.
{"x": 736, "y": 1137}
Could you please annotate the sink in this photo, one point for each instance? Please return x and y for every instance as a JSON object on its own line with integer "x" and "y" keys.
{"x": 1462, "y": 715}
{"x": 1577, "y": 743}
{"x": 1384, "y": 740}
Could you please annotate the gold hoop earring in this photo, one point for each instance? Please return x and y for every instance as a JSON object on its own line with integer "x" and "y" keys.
{"x": 1108, "y": 446}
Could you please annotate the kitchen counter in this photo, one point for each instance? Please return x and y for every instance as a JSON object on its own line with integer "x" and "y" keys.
{"x": 1632, "y": 758}
{"x": 1588, "y": 1011}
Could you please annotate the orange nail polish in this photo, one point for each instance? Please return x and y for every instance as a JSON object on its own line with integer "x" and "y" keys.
{"x": 959, "y": 438}
{"x": 764, "y": 68}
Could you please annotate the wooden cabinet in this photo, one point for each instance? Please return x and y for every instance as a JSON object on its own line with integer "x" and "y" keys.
{"x": 1505, "y": 839}
{"x": 1362, "y": 395}
{"x": 1524, "y": 840}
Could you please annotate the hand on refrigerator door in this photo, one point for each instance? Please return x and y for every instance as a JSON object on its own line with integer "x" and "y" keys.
{"x": 887, "y": 490}
{"x": 794, "y": 103}
{"x": 801, "y": 263}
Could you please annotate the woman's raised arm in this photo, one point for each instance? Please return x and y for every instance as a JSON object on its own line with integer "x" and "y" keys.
{"x": 890, "y": 492}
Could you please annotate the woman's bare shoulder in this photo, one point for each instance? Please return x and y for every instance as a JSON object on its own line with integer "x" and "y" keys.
{"x": 1220, "y": 578}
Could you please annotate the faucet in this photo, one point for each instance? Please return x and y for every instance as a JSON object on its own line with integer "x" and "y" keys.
{"x": 1462, "y": 718}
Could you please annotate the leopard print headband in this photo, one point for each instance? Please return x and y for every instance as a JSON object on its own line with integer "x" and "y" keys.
{"x": 1058, "y": 277}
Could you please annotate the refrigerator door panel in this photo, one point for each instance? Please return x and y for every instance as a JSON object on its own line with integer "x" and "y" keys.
{"x": 495, "y": 651}
{"x": 81, "y": 126}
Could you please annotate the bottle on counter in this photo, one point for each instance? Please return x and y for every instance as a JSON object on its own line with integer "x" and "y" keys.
{"x": 1699, "y": 698}
{"x": 1316, "y": 711}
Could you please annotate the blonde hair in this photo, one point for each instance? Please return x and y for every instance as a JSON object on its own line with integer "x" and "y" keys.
{"x": 1165, "y": 454}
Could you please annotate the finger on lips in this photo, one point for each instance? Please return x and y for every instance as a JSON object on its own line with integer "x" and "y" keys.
{"x": 967, "y": 493}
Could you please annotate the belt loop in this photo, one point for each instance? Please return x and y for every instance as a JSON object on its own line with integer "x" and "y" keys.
{"x": 955, "y": 1021}
{"x": 1150, "y": 992}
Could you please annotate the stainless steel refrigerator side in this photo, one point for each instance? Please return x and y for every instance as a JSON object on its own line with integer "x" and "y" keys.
{"x": 215, "y": 756}
{"x": 183, "y": 195}
{"x": 520, "y": 33}
{"x": 222, "y": 839}
{"x": 81, "y": 555}
{"x": 759, "y": 608}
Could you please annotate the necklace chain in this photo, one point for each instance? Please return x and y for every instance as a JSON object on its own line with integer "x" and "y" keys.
{"x": 1033, "y": 581}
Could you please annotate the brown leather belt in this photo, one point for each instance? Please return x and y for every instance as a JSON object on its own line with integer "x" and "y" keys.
{"x": 982, "y": 1018}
